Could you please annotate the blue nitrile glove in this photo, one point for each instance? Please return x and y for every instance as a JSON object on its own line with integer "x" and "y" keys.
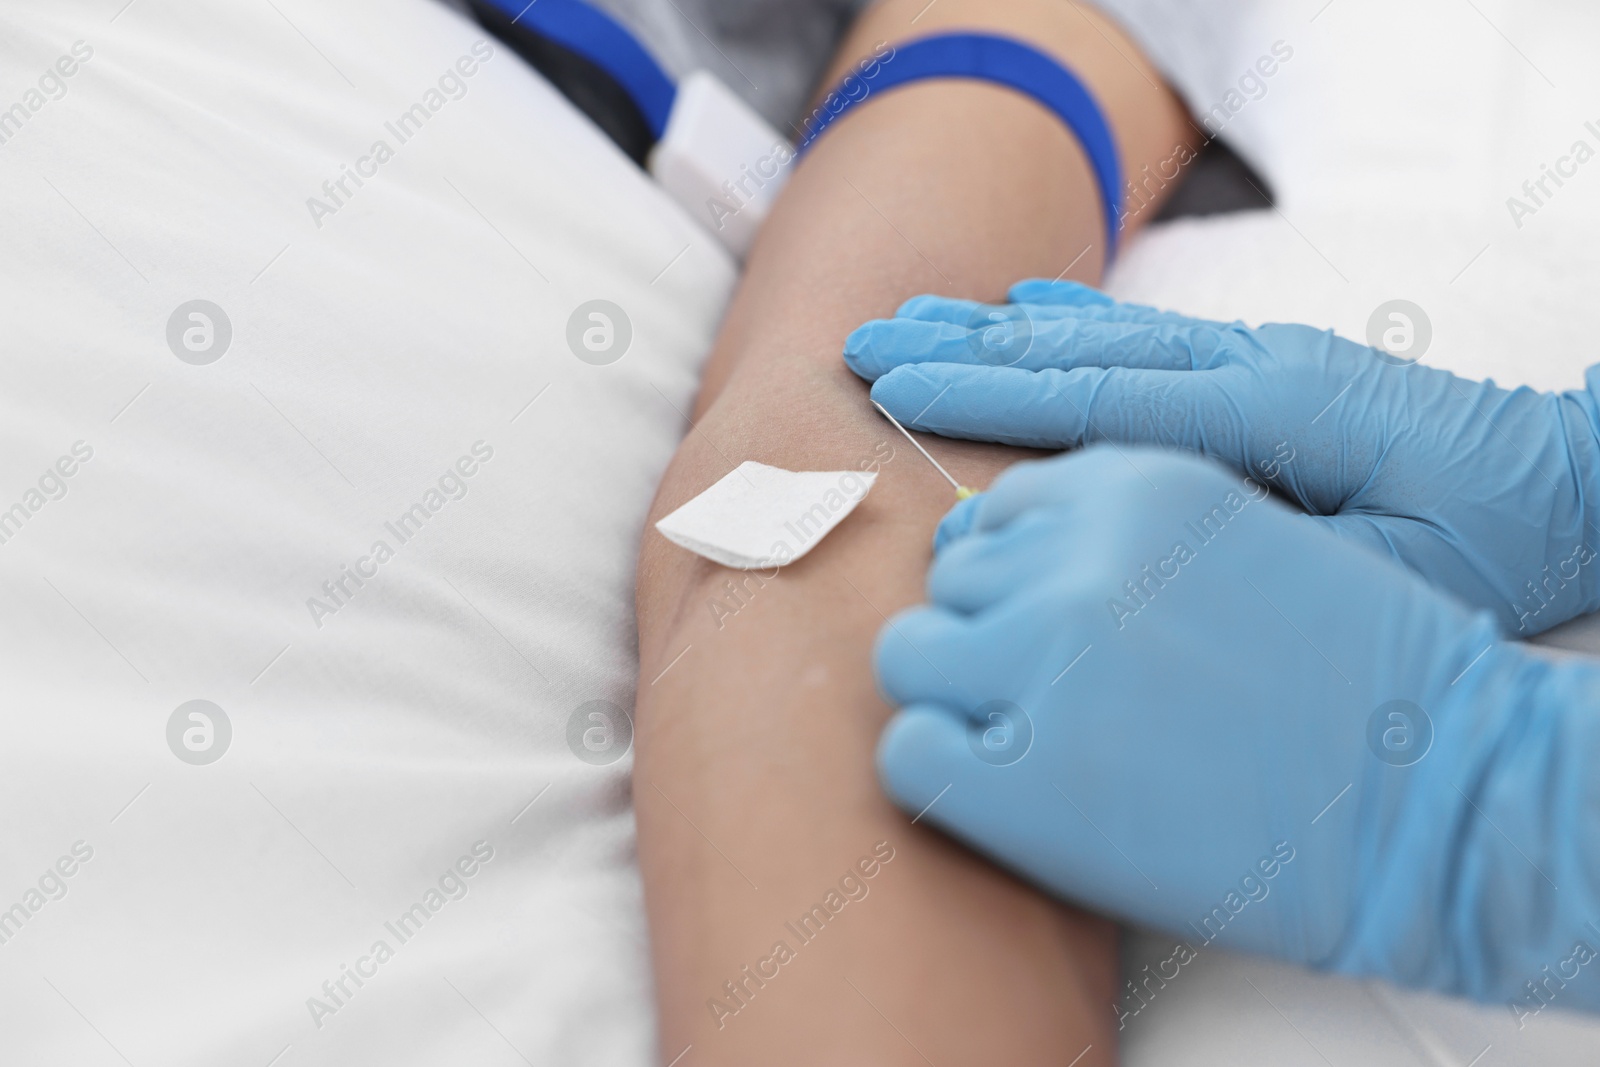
{"x": 1153, "y": 691}
{"x": 1490, "y": 494}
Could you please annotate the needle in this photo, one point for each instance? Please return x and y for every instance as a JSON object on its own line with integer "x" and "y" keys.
{"x": 962, "y": 492}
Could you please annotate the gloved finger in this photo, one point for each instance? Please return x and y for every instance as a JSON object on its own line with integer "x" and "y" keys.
{"x": 1072, "y": 299}
{"x": 1040, "y": 291}
{"x": 932, "y": 308}
{"x": 927, "y": 654}
{"x": 973, "y": 314}
{"x": 1130, "y": 314}
{"x": 922, "y": 753}
{"x": 930, "y": 654}
{"x": 956, "y": 522}
{"x": 1091, "y": 484}
{"x": 1065, "y": 409}
{"x": 1058, "y": 292}
{"x": 942, "y": 770}
{"x": 985, "y": 568}
{"x": 877, "y": 347}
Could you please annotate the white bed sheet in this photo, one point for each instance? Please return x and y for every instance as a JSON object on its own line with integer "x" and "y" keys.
{"x": 367, "y": 356}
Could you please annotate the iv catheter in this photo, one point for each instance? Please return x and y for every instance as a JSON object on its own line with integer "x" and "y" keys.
{"x": 962, "y": 492}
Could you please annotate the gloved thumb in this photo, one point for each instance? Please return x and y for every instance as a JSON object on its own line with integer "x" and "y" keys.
{"x": 957, "y": 522}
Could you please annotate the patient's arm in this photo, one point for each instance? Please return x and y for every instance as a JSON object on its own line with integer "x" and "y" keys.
{"x": 754, "y": 785}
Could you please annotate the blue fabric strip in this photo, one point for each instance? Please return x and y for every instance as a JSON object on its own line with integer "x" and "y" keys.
{"x": 605, "y": 42}
{"x": 1011, "y": 63}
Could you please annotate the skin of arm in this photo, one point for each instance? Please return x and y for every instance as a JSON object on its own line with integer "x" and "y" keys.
{"x": 756, "y": 723}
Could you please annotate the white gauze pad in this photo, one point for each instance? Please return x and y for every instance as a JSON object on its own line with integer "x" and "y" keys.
{"x": 759, "y": 516}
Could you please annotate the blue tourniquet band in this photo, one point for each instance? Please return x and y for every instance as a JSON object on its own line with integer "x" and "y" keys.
{"x": 605, "y": 42}
{"x": 1001, "y": 61}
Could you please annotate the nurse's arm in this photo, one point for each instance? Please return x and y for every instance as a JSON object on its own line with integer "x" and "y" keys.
{"x": 757, "y": 715}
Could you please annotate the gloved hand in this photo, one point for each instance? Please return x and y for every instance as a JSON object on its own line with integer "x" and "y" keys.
{"x": 1153, "y": 691}
{"x": 1490, "y": 494}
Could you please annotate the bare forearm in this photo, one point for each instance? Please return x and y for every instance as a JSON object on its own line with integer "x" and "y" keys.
{"x": 754, "y": 784}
